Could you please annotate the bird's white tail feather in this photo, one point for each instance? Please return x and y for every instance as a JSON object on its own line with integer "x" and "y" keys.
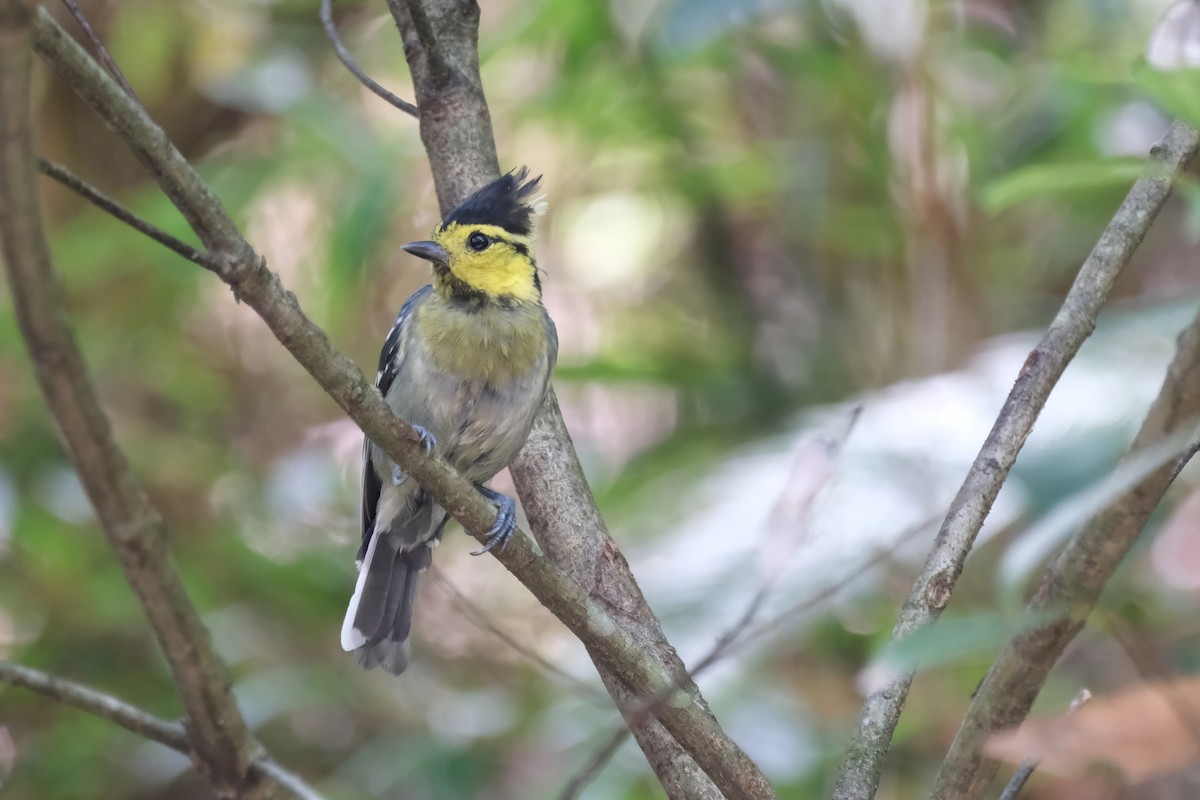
{"x": 352, "y": 637}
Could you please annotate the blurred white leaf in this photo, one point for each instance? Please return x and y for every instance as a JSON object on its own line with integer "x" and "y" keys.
{"x": 1036, "y": 545}
{"x": 1175, "y": 41}
{"x": 813, "y": 466}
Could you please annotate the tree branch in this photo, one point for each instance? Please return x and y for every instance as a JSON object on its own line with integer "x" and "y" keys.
{"x": 441, "y": 45}
{"x": 106, "y": 204}
{"x": 1072, "y": 584}
{"x": 199, "y": 206}
{"x": 80, "y": 697}
{"x": 617, "y": 651}
{"x": 862, "y": 765}
{"x": 456, "y": 126}
{"x": 133, "y": 719}
{"x": 220, "y": 744}
{"x": 349, "y": 63}
{"x": 101, "y": 51}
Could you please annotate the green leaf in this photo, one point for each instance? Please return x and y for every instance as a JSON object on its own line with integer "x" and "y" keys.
{"x": 954, "y": 639}
{"x": 1039, "y": 180}
{"x": 1177, "y": 92}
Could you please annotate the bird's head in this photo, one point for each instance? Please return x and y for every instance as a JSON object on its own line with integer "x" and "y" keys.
{"x": 483, "y": 249}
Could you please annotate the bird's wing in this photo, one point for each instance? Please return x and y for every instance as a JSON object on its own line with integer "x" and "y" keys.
{"x": 390, "y": 358}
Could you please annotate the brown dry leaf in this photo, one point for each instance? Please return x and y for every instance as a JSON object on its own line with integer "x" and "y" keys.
{"x": 1144, "y": 731}
{"x": 1176, "y": 550}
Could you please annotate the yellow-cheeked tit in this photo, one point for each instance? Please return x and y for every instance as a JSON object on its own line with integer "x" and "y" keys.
{"x": 468, "y": 363}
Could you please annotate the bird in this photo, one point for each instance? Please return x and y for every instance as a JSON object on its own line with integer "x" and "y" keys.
{"x": 467, "y": 364}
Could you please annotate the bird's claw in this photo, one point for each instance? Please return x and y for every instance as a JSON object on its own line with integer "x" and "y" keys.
{"x": 427, "y": 444}
{"x": 506, "y": 521}
{"x": 427, "y": 440}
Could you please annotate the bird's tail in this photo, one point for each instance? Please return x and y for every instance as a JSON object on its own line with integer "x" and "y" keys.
{"x": 379, "y": 618}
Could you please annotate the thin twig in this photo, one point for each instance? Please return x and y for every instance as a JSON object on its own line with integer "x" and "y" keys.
{"x": 862, "y": 765}
{"x": 80, "y": 697}
{"x": 94, "y": 196}
{"x": 635, "y": 714}
{"x": 1071, "y": 585}
{"x": 133, "y": 719}
{"x": 595, "y": 764}
{"x": 348, "y": 61}
{"x": 480, "y": 619}
{"x": 1018, "y": 780}
{"x": 1184, "y": 458}
{"x": 101, "y": 51}
{"x": 737, "y": 633}
{"x": 1023, "y": 773}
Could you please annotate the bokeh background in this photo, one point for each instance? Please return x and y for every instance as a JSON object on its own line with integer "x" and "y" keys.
{"x": 764, "y": 214}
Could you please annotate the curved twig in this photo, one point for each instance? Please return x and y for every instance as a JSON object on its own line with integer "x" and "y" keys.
{"x": 348, "y": 61}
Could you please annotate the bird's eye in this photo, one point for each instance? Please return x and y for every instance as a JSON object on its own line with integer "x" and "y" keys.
{"x": 478, "y": 242}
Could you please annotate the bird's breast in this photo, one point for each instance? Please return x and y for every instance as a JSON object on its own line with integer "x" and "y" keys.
{"x": 489, "y": 346}
{"x": 485, "y": 376}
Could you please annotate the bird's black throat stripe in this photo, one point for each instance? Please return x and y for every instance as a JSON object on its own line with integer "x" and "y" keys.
{"x": 470, "y": 298}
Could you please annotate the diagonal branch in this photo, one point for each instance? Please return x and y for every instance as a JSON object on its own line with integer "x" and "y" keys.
{"x": 132, "y": 719}
{"x": 220, "y": 744}
{"x": 1072, "y": 584}
{"x": 616, "y": 649}
{"x": 862, "y": 765}
{"x": 106, "y": 204}
{"x": 80, "y": 697}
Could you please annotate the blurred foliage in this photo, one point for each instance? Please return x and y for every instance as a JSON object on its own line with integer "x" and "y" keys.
{"x": 757, "y": 206}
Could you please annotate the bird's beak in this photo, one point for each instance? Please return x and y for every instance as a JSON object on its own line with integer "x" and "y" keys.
{"x": 430, "y": 251}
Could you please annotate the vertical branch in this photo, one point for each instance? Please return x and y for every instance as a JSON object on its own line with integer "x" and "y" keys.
{"x": 441, "y": 44}
{"x": 862, "y": 764}
{"x": 221, "y": 745}
{"x": 455, "y": 124}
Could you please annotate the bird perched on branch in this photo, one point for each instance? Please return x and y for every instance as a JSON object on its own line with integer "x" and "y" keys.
{"x": 467, "y": 363}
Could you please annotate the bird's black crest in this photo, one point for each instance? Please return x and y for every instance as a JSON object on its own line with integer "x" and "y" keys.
{"x": 502, "y": 202}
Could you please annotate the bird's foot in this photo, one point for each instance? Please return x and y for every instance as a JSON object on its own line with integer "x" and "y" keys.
{"x": 427, "y": 440}
{"x": 506, "y": 521}
{"x": 427, "y": 445}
